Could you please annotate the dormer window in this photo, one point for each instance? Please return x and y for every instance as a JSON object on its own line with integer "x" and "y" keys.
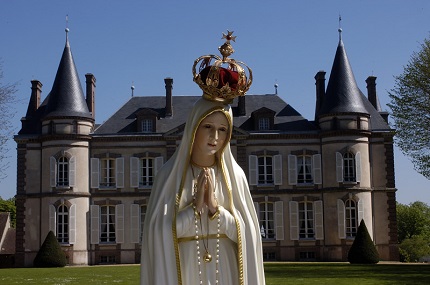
{"x": 146, "y": 126}
{"x": 264, "y": 119}
{"x": 146, "y": 120}
{"x": 263, "y": 124}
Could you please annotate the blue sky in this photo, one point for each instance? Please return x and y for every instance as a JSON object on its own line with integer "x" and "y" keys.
{"x": 125, "y": 43}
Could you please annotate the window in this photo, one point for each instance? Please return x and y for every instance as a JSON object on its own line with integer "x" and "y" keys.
{"x": 349, "y": 211}
{"x": 351, "y": 218}
{"x": 306, "y": 220}
{"x": 107, "y": 259}
{"x": 265, "y": 170}
{"x": 147, "y": 126}
{"x": 264, "y": 123}
{"x": 63, "y": 172}
{"x": 146, "y": 172}
{"x": 304, "y": 167}
{"x": 107, "y": 172}
{"x": 267, "y": 221}
{"x": 271, "y": 218}
{"x": 144, "y": 168}
{"x": 107, "y": 224}
{"x": 348, "y": 167}
{"x": 62, "y": 221}
{"x": 63, "y": 224}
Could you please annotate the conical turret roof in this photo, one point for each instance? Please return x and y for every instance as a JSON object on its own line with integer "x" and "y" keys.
{"x": 66, "y": 97}
{"x": 342, "y": 94}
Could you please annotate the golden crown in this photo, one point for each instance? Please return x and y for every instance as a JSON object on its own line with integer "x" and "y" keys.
{"x": 221, "y": 83}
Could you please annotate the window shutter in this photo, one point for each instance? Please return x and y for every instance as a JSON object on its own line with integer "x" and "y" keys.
{"x": 72, "y": 224}
{"x": 72, "y": 171}
{"x": 53, "y": 219}
{"x": 159, "y": 161}
{"x": 95, "y": 224}
{"x": 294, "y": 220}
{"x": 319, "y": 220}
{"x": 95, "y": 173}
{"x": 317, "y": 168}
{"x": 119, "y": 172}
{"x": 119, "y": 223}
{"x": 292, "y": 169}
{"x": 339, "y": 167}
{"x": 134, "y": 223}
{"x": 279, "y": 220}
{"x": 277, "y": 166}
{"x": 53, "y": 171}
{"x": 134, "y": 172}
{"x": 253, "y": 170}
{"x": 360, "y": 210}
{"x": 358, "y": 167}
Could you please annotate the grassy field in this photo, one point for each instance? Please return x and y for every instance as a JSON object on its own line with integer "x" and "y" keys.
{"x": 276, "y": 274}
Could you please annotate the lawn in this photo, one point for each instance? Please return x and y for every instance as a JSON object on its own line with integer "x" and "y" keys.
{"x": 276, "y": 274}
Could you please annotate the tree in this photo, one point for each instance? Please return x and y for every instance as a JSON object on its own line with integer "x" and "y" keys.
{"x": 7, "y": 99}
{"x": 412, "y": 220}
{"x": 8, "y": 206}
{"x": 410, "y": 105}
{"x": 50, "y": 253}
{"x": 363, "y": 250}
{"x": 413, "y": 226}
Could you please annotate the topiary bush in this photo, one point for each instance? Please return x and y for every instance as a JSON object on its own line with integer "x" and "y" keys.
{"x": 50, "y": 253}
{"x": 363, "y": 250}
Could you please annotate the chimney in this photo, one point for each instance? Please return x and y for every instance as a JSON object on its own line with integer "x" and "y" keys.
{"x": 169, "y": 86}
{"x": 320, "y": 91}
{"x": 371, "y": 92}
{"x": 241, "y": 106}
{"x": 91, "y": 93}
{"x": 36, "y": 90}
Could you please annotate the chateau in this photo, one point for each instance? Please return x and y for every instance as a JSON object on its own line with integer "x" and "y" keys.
{"x": 312, "y": 181}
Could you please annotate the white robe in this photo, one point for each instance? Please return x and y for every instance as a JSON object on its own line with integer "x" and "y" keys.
{"x": 165, "y": 259}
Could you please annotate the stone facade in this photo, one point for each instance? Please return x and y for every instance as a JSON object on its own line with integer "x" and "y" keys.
{"x": 312, "y": 181}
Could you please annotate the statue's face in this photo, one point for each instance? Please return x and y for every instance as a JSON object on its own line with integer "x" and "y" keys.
{"x": 211, "y": 134}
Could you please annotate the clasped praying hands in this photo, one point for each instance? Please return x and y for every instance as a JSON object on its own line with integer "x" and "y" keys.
{"x": 205, "y": 194}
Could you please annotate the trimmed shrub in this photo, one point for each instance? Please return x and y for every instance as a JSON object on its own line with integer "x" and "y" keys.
{"x": 50, "y": 253}
{"x": 363, "y": 250}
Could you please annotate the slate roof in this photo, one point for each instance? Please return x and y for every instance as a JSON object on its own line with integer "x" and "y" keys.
{"x": 66, "y": 97}
{"x": 342, "y": 94}
{"x": 122, "y": 122}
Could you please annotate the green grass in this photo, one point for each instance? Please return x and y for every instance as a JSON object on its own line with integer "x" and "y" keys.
{"x": 276, "y": 274}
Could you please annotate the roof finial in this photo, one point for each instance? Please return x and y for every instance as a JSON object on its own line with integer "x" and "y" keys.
{"x": 340, "y": 28}
{"x": 132, "y": 88}
{"x": 276, "y": 87}
{"x": 67, "y": 28}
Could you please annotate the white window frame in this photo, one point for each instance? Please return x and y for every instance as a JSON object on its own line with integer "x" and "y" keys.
{"x": 63, "y": 224}
{"x": 271, "y": 221}
{"x": 351, "y": 223}
{"x": 341, "y": 160}
{"x": 107, "y": 224}
{"x": 263, "y": 124}
{"x": 147, "y": 126}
